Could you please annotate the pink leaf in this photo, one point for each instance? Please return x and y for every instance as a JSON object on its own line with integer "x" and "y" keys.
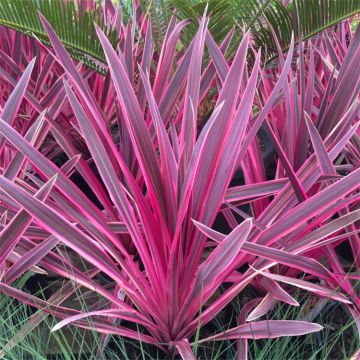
{"x": 184, "y": 349}
{"x": 306, "y": 285}
{"x": 267, "y": 330}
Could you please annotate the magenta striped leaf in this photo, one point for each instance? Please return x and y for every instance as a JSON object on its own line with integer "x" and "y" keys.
{"x": 267, "y": 330}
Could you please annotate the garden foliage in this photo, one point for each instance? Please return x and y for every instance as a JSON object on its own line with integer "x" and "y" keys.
{"x": 123, "y": 170}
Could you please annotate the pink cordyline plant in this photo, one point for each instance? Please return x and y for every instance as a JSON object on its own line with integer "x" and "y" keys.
{"x": 159, "y": 183}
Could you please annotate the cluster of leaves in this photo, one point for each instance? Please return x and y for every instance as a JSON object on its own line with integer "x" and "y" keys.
{"x": 73, "y": 21}
{"x": 152, "y": 184}
{"x": 263, "y": 18}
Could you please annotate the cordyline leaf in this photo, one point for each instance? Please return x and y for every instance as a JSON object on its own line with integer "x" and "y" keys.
{"x": 116, "y": 192}
{"x": 267, "y": 330}
{"x": 67, "y": 146}
{"x": 228, "y": 95}
{"x": 306, "y": 285}
{"x": 168, "y": 161}
{"x": 250, "y": 191}
{"x": 12, "y": 105}
{"x": 326, "y": 165}
{"x": 64, "y": 59}
{"x": 210, "y": 72}
{"x": 333, "y": 239}
{"x": 346, "y": 86}
{"x": 90, "y": 103}
{"x": 62, "y": 229}
{"x": 221, "y": 259}
{"x": 242, "y": 344}
{"x": 61, "y": 266}
{"x": 14, "y": 257}
{"x": 128, "y": 50}
{"x": 309, "y": 93}
{"x": 145, "y": 63}
{"x": 278, "y": 256}
{"x": 140, "y": 138}
{"x": 310, "y": 207}
{"x": 266, "y": 305}
{"x": 285, "y": 257}
{"x": 173, "y": 90}
{"x": 29, "y": 259}
{"x": 107, "y": 172}
{"x": 188, "y": 124}
{"x": 217, "y": 56}
{"x": 322, "y": 232}
{"x": 167, "y": 58}
{"x": 173, "y": 268}
{"x": 71, "y": 164}
{"x": 224, "y": 152}
{"x": 277, "y": 291}
{"x": 231, "y": 148}
{"x": 111, "y": 313}
{"x": 295, "y": 182}
{"x": 302, "y": 135}
{"x": 11, "y": 234}
{"x": 3, "y": 218}
{"x": 31, "y": 136}
{"x": 193, "y": 166}
{"x": 71, "y": 236}
{"x": 184, "y": 349}
{"x": 49, "y": 169}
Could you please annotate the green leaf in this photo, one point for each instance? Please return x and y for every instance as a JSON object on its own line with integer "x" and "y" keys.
{"x": 73, "y": 24}
{"x": 263, "y": 16}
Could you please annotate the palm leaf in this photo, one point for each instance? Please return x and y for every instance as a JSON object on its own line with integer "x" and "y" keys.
{"x": 316, "y": 16}
{"x": 73, "y": 23}
{"x": 264, "y": 17}
{"x": 220, "y": 11}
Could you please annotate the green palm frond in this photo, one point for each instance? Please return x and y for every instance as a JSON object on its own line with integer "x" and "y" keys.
{"x": 268, "y": 17}
{"x": 73, "y": 24}
{"x": 221, "y": 19}
{"x": 264, "y": 17}
{"x": 316, "y": 16}
{"x": 258, "y": 15}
